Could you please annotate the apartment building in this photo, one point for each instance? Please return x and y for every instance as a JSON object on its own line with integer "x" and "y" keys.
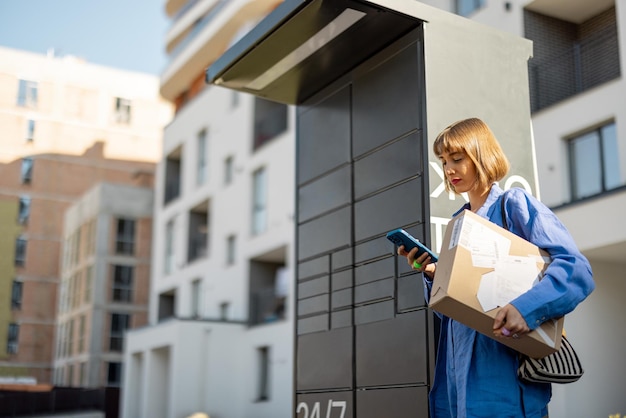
{"x": 220, "y": 332}
{"x": 67, "y": 125}
{"x": 105, "y": 275}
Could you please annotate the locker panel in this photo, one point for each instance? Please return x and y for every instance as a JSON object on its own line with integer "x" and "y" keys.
{"x": 374, "y": 312}
{"x": 325, "y": 405}
{"x": 324, "y": 136}
{"x": 312, "y": 268}
{"x": 329, "y": 192}
{"x": 313, "y": 287}
{"x": 411, "y": 402}
{"x": 341, "y": 280}
{"x": 325, "y": 234}
{"x": 341, "y": 259}
{"x": 392, "y": 352}
{"x": 313, "y": 324}
{"x": 385, "y": 88}
{"x": 377, "y": 270}
{"x": 324, "y": 360}
{"x": 375, "y": 291}
{"x": 393, "y": 163}
{"x": 400, "y": 205}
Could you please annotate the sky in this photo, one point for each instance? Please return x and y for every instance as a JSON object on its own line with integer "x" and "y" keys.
{"x": 124, "y": 34}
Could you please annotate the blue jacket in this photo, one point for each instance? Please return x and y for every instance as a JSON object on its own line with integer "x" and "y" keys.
{"x": 475, "y": 375}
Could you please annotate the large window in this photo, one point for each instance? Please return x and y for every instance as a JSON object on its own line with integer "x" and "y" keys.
{"x": 122, "y": 110}
{"x": 231, "y": 249}
{"x": 125, "y": 238}
{"x": 123, "y": 283}
{"x": 27, "y": 170}
{"x": 27, "y": 93}
{"x": 16, "y": 294}
{"x": 259, "y": 201}
{"x": 20, "y": 252}
{"x": 119, "y": 324}
{"x": 467, "y": 7}
{"x": 30, "y": 130}
{"x": 202, "y": 149}
{"x": 13, "y": 338}
{"x": 229, "y": 170}
{"x": 594, "y": 162}
{"x": 114, "y": 374}
{"x": 270, "y": 120}
{"x": 168, "y": 265}
{"x": 24, "y": 210}
{"x": 263, "y": 365}
{"x": 196, "y": 297}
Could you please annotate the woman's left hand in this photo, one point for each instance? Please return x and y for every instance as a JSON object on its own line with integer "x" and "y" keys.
{"x": 510, "y": 323}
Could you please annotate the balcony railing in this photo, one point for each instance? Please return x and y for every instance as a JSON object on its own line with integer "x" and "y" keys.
{"x": 266, "y": 307}
{"x": 197, "y": 27}
{"x": 585, "y": 65}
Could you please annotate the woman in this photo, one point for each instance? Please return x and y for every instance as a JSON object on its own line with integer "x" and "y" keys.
{"x": 476, "y": 376}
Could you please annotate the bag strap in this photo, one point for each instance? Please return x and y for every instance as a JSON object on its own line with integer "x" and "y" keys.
{"x": 505, "y": 225}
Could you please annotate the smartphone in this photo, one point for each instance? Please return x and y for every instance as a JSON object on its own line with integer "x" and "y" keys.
{"x": 401, "y": 237}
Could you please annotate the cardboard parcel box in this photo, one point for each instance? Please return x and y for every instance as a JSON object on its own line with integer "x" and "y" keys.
{"x": 483, "y": 267}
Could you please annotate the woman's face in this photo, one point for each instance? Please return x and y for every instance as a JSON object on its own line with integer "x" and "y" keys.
{"x": 459, "y": 170}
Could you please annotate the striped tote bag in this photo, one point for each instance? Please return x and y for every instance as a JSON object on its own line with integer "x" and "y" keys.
{"x": 562, "y": 366}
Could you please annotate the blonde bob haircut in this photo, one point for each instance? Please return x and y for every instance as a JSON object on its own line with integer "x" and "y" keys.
{"x": 474, "y": 138}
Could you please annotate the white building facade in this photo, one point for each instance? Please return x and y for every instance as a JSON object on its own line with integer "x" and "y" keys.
{"x": 220, "y": 333}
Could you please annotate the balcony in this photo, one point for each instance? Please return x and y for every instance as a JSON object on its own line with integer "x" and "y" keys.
{"x": 570, "y": 58}
{"x": 210, "y": 36}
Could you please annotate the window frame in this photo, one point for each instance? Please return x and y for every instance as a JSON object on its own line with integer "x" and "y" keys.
{"x": 122, "y": 283}
{"x": 600, "y": 142}
{"x": 125, "y": 236}
{"x": 259, "y": 201}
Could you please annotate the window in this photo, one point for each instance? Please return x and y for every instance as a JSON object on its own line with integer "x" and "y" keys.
{"x": 173, "y": 170}
{"x": 224, "y": 308}
{"x": 169, "y": 248}
{"x": 229, "y": 167}
{"x": 70, "y": 338}
{"x": 125, "y": 239}
{"x": 231, "y": 242}
{"x": 198, "y": 232}
{"x": 114, "y": 374}
{"x": 83, "y": 374}
{"x": 13, "y": 338}
{"x": 263, "y": 355}
{"x": 70, "y": 375}
{"x": 196, "y": 293}
{"x": 81, "y": 335}
{"x": 202, "y": 170}
{"x": 122, "y": 110}
{"x": 594, "y": 162}
{"x": 88, "y": 284}
{"x": 119, "y": 325}
{"x": 30, "y": 130}
{"x": 27, "y": 93}
{"x": 270, "y": 120}
{"x": 16, "y": 294}
{"x": 234, "y": 99}
{"x": 20, "y": 252}
{"x": 467, "y": 7}
{"x": 27, "y": 170}
{"x": 24, "y": 210}
{"x": 259, "y": 199}
{"x": 123, "y": 283}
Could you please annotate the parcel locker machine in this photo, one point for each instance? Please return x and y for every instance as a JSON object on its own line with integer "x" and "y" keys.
{"x": 373, "y": 82}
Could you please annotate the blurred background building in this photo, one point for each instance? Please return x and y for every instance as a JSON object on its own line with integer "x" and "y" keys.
{"x": 67, "y": 126}
{"x": 220, "y": 334}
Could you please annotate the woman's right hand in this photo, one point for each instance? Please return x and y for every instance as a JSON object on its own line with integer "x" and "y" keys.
{"x": 424, "y": 261}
